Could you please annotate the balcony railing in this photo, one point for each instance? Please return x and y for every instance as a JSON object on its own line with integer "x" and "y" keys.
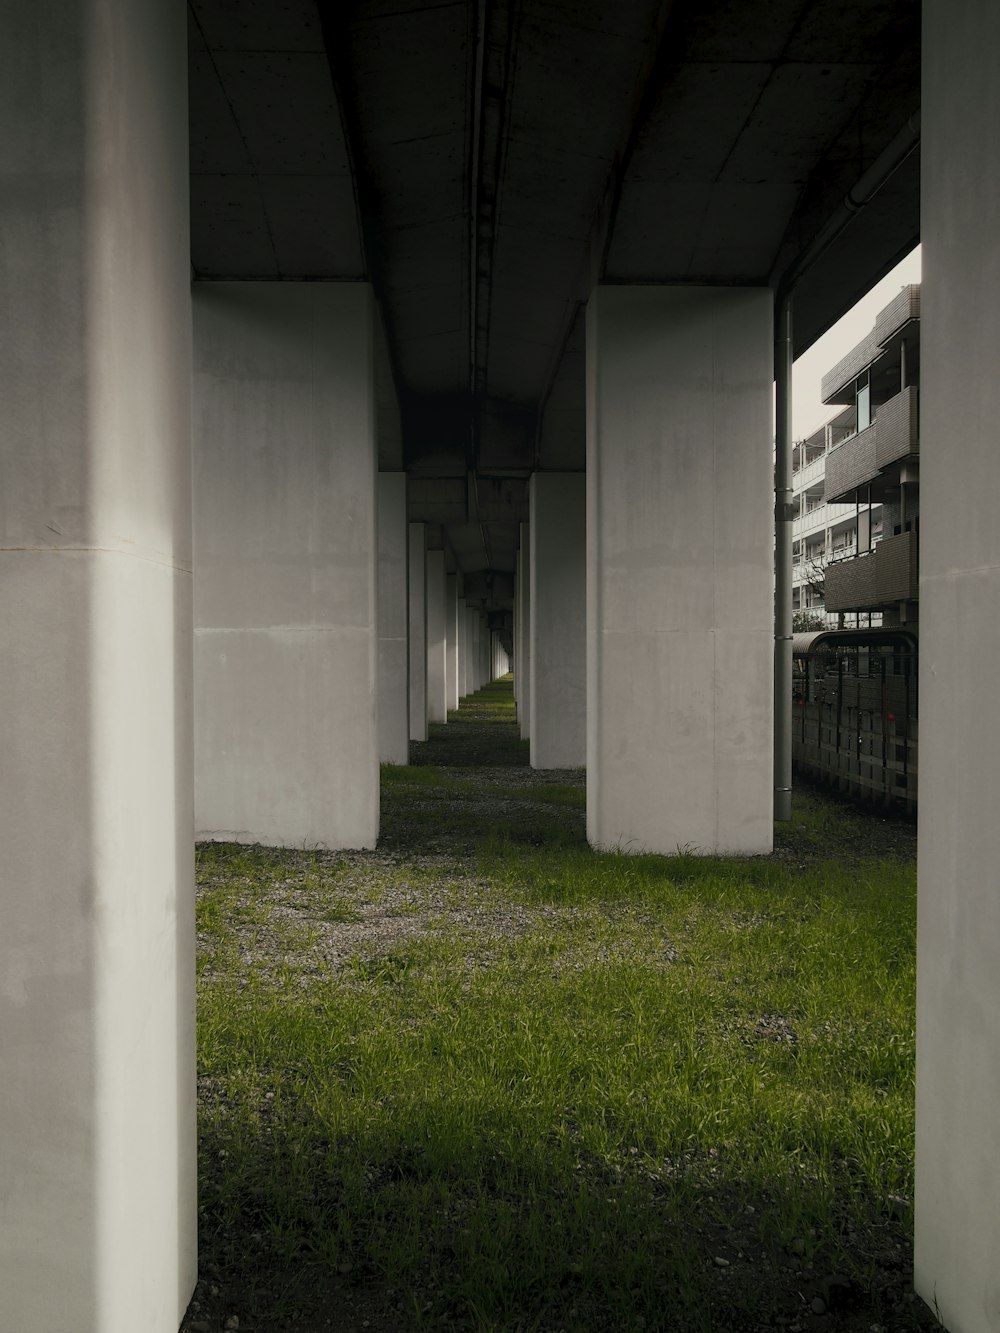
{"x": 852, "y": 464}
{"x": 850, "y": 585}
{"x": 898, "y": 430}
{"x": 894, "y": 434}
{"x": 880, "y": 577}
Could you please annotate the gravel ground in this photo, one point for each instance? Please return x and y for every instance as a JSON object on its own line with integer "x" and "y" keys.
{"x": 432, "y": 838}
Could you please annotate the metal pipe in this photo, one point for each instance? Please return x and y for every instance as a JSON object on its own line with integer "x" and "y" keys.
{"x": 783, "y": 518}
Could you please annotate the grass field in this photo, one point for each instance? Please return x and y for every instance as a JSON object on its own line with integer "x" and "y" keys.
{"x": 485, "y": 1078}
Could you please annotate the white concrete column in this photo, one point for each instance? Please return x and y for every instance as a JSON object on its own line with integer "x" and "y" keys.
{"x": 524, "y": 606}
{"x": 286, "y": 635}
{"x": 393, "y": 615}
{"x": 463, "y": 649}
{"x": 957, "y": 1207}
{"x": 679, "y": 568}
{"x": 477, "y": 661}
{"x": 516, "y": 625}
{"x": 437, "y": 639}
{"x": 451, "y": 632}
{"x": 485, "y": 642}
{"x": 97, "y": 1092}
{"x": 558, "y": 599}
{"x": 418, "y": 632}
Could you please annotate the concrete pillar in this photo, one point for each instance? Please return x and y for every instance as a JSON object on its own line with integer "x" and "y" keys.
{"x": 524, "y": 603}
{"x": 451, "y": 633}
{"x": 97, "y": 1092}
{"x": 516, "y": 627}
{"x": 558, "y": 599}
{"x": 477, "y": 661}
{"x": 437, "y": 639}
{"x": 393, "y": 615}
{"x": 679, "y": 568}
{"x": 957, "y": 1207}
{"x": 463, "y": 649}
{"x": 418, "y": 632}
{"x": 286, "y": 635}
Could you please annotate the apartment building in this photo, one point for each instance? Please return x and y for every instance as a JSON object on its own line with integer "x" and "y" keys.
{"x": 856, "y": 482}
{"x": 874, "y": 465}
{"x": 824, "y": 532}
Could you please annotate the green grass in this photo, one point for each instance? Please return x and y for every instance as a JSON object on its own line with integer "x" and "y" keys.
{"x": 564, "y": 1122}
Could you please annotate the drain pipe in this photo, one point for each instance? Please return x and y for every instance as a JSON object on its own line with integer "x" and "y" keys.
{"x": 862, "y": 192}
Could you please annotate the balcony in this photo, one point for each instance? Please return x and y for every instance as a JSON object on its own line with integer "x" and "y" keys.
{"x": 892, "y": 436}
{"x": 852, "y": 464}
{"x": 880, "y": 577}
{"x": 898, "y": 313}
{"x": 850, "y": 584}
{"x": 896, "y": 569}
{"x": 898, "y": 429}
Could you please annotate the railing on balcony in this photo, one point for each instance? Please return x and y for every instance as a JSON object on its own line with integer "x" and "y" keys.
{"x": 898, "y": 429}
{"x": 896, "y": 568}
{"x": 850, "y": 584}
{"x": 886, "y": 574}
{"x": 852, "y": 464}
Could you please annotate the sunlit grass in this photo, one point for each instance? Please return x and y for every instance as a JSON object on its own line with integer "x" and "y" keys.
{"x": 561, "y": 1122}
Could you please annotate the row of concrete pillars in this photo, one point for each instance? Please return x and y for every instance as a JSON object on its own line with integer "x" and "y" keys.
{"x": 148, "y": 669}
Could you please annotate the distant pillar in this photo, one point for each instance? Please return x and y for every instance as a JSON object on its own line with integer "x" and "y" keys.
{"x": 524, "y": 701}
{"x": 451, "y": 628}
{"x": 437, "y": 640}
{"x": 679, "y": 568}
{"x": 957, "y": 1206}
{"x": 516, "y": 667}
{"x": 286, "y": 635}
{"x": 477, "y": 661}
{"x": 97, "y": 1093}
{"x": 463, "y": 649}
{"x": 418, "y": 632}
{"x": 393, "y": 615}
{"x": 558, "y": 599}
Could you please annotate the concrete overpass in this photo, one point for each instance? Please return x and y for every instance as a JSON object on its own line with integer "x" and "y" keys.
{"x": 445, "y": 258}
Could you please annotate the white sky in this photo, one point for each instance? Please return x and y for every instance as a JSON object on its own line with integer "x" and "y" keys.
{"x": 808, "y": 410}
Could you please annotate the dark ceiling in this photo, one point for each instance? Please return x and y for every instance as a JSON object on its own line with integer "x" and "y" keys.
{"x": 484, "y": 164}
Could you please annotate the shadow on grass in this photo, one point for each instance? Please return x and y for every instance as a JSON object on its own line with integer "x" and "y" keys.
{"x": 456, "y": 1230}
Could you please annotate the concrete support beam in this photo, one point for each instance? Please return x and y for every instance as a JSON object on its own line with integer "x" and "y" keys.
{"x": 437, "y": 639}
{"x": 679, "y": 569}
{"x": 97, "y": 1089}
{"x": 524, "y": 702}
{"x": 286, "y": 636}
{"x": 558, "y": 600}
{"x": 418, "y": 632}
{"x": 957, "y": 1207}
{"x": 393, "y": 615}
{"x": 451, "y": 633}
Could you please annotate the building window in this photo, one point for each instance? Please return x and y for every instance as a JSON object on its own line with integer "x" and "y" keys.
{"x": 864, "y": 403}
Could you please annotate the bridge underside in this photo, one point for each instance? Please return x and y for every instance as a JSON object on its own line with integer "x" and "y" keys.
{"x": 485, "y": 163}
{"x": 447, "y": 258}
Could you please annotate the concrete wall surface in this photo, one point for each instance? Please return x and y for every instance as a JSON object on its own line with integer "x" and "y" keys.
{"x": 418, "y": 632}
{"x": 437, "y": 639}
{"x": 679, "y": 568}
{"x": 957, "y": 1206}
{"x": 286, "y": 637}
{"x": 558, "y": 600}
{"x": 393, "y": 616}
{"x": 97, "y": 1070}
